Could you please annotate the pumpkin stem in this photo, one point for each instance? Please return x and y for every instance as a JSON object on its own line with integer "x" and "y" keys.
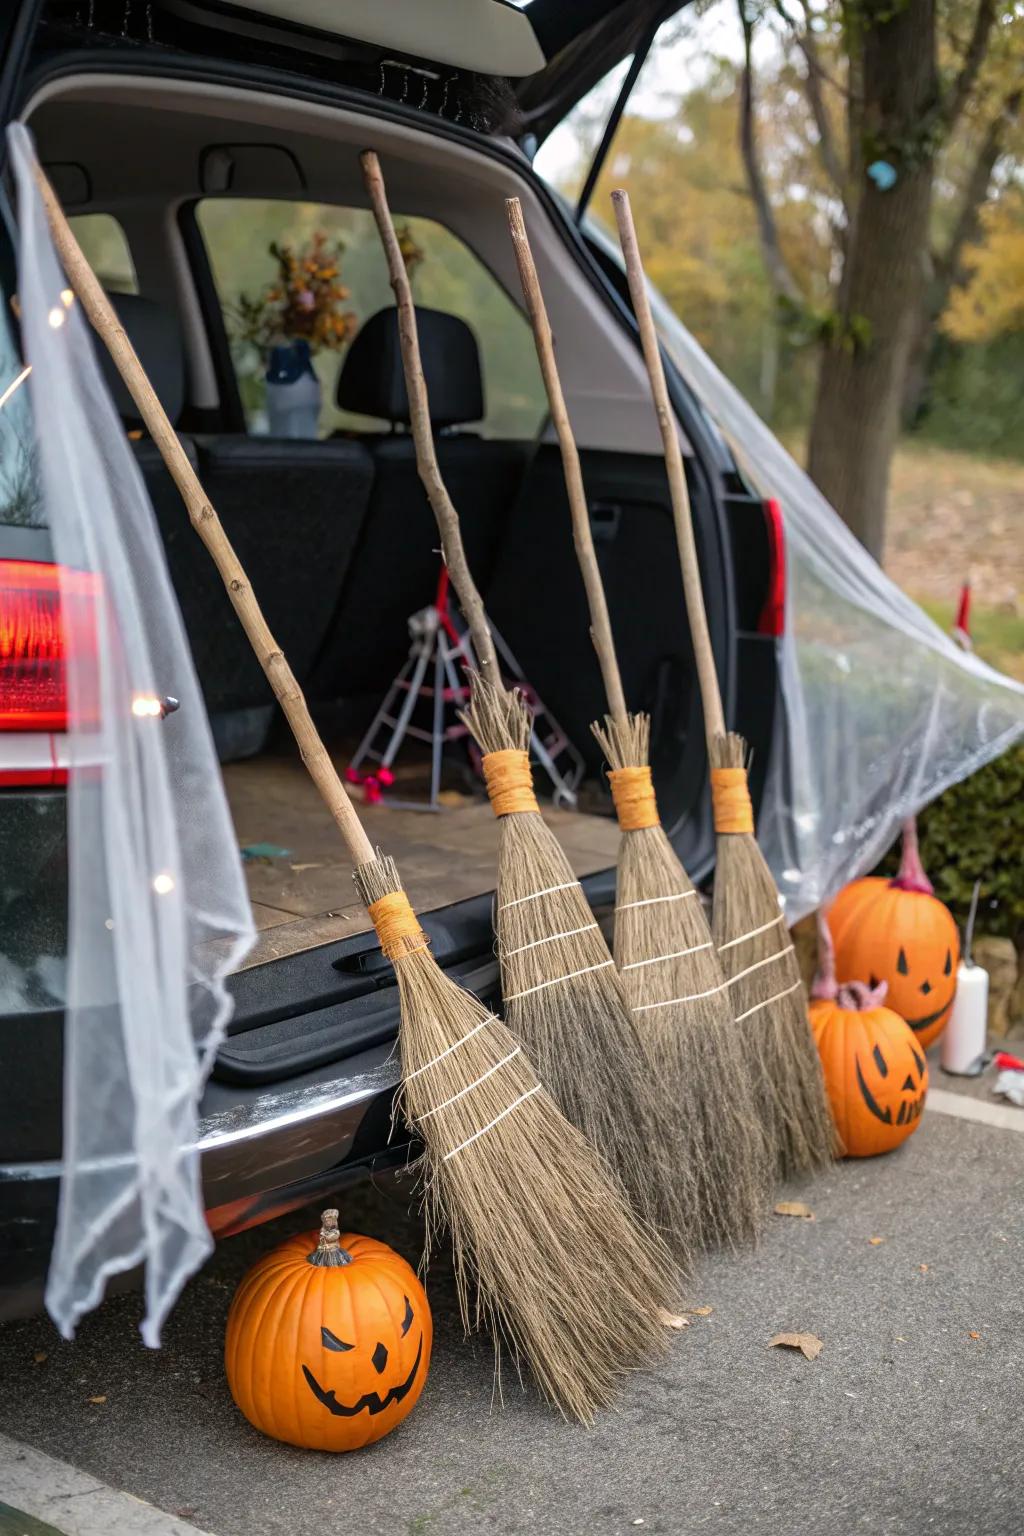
{"x": 858, "y": 997}
{"x": 824, "y": 983}
{"x": 328, "y": 1253}
{"x": 911, "y": 876}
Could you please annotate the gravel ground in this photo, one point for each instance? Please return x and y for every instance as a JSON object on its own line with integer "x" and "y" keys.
{"x": 908, "y": 1421}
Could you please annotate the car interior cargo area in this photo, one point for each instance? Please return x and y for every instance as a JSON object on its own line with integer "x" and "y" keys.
{"x": 194, "y": 202}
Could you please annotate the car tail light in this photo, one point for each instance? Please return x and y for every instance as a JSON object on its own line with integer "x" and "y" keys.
{"x": 773, "y": 614}
{"x": 47, "y": 614}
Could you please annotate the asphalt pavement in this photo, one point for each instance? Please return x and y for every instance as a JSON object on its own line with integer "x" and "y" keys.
{"x": 908, "y": 1421}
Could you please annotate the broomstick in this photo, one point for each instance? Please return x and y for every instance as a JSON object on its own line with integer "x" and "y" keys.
{"x": 547, "y": 1253}
{"x": 563, "y": 997}
{"x": 663, "y": 948}
{"x": 765, "y": 990}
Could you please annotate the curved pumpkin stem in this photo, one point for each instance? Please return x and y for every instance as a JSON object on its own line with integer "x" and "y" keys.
{"x": 911, "y": 876}
{"x": 328, "y": 1253}
{"x": 824, "y": 983}
{"x": 858, "y": 997}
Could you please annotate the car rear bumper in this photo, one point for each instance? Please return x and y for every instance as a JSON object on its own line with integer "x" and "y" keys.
{"x": 263, "y": 1154}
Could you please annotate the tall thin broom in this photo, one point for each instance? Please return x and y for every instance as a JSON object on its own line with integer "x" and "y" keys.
{"x": 547, "y": 1253}
{"x": 663, "y": 947}
{"x": 749, "y": 928}
{"x": 562, "y": 994}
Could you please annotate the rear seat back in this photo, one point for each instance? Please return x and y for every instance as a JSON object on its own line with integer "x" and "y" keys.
{"x": 292, "y": 511}
{"x": 396, "y": 564}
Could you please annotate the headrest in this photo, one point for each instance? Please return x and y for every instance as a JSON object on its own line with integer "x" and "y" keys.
{"x": 152, "y": 331}
{"x": 371, "y": 380}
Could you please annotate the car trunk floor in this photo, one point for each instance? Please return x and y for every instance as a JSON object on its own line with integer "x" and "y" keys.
{"x": 305, "y": 896}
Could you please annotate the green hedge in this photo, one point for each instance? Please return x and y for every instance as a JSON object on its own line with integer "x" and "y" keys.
{"x": 976, "y": 830}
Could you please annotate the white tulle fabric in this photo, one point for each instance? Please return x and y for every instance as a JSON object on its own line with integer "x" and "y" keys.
{"x": 158, "y": 910}
{"x": 883, "y": 711}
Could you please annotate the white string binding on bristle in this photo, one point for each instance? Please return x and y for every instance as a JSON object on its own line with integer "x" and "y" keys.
{"x": 512, "y": 997}
{"x": 651, "y": 901}
{"x": 758, "y": 963}
{"x": 469, "y": 1088}
{"x": 777, "y": 998}
{"x": 468, "y": 1036}
{"x": 753, "y": 933}
{"x": 491, "y": 1123}
{"x": 567, "y": 886}
{"x": 636, "y": 965}
{"x": 550, "y": 939}
{"x": 693, "y": 997}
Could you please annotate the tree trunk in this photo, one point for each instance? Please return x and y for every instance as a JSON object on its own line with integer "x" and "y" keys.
{"x": 860, "y": 383}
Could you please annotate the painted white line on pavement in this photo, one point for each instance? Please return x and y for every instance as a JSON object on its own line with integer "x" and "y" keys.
{"x": 77, "y": 1504}
{"x": 1007, "y": 1117}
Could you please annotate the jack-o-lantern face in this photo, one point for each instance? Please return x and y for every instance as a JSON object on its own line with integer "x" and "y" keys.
{"x": 348, "y": 1318}
{"x": 875, "y": 1073}
{"x": 905, "y": 938}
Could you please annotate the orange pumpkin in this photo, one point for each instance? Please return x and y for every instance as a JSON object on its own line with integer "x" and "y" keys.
{"x": 897, "y": 931}
{"x": 875, "y": 1071}
{"x": 328, "y": 1340}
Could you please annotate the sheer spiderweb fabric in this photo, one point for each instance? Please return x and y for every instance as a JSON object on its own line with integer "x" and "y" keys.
{"x": 158, "y": 912}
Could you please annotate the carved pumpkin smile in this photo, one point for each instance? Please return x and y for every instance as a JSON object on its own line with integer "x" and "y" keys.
{"x": 909, "y": 1108}
{"x": 371, "y": 1401}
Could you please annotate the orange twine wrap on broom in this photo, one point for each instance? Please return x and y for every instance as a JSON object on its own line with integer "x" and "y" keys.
{"x": 634, "y": 798}
{"x": 730, "y": 797}
{"x": 397, "y": 925}
{"x": 509, "y": 782}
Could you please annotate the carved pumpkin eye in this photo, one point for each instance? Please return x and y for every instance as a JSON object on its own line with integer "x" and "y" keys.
{"x": 948, "y": 967}
{"x": 331, "y": 1341}
{"x": 901, "y": 963}
{"x": 407, "y": 1319}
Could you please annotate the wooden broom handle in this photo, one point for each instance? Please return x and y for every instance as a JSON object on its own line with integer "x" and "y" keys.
{"x": 208, "y": 526}
{"x": 447, "y": 518}
{"x": 583, "y": 539}
{"x": 707, "y": 675}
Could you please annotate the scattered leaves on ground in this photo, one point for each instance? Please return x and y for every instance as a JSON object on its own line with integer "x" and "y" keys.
{"x": 809, "y": 1345}
{"x": 672, "y": 1319}
{"x": 794, "y": 1208}
{"x": 39, "y": 1356}
{"x": 100, "y": 1399}
{"x": 874, "y": 1241}
{"x": 700, "y": 1311}
{"x": 974, "y": 1334}
{"x": 923, "y": 1268}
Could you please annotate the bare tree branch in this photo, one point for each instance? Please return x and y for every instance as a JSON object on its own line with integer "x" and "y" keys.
{"x": 968, "y": 223}
{"x": 977, "y": 48}
{"x": 805, "y": 40}
{"x": 779, "y": 275}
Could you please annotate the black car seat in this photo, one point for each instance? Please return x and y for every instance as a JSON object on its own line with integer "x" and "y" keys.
{"x": 292, "y": 510}
{"x": 395, "y": 569}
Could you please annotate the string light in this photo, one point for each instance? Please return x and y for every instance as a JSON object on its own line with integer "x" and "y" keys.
{"x": 163, "y": 884}
{"x": 147, "y": 706}
{"x": 56, "y": 317}
{"x": 67, "y": 298}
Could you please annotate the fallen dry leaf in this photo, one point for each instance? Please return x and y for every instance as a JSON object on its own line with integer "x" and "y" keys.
{"x": 794, "y": 1208}
{"x": 974, "y": 1334}
{"x": 874, "y": 1241}
{"x": 809, "y": 1345}
{"x": 298, "y": 868}
{"x": 700, "y": 1311}
{"x": 923, "y": 1268}
{"x": 672, "y": 1319}
{"x": 39, "y": 1356}
{"x": 101, "y": 1399}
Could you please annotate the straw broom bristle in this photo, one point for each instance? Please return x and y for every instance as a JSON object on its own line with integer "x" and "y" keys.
{"x": 547, "y": 1253}
{"x": 767, "y": 995}
{"x": 564, "y": 1000}
{"x": 678, "y": 994}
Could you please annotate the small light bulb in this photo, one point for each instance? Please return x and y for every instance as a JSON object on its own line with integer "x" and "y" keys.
{"x": 109, "y": 923}
{"x": 163, "y": 884}
{"x": 146, "y": 706}
{"x": 56, "y": 318}
{"x": 67, "y": 298}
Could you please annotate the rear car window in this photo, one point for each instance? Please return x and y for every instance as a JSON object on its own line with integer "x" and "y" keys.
{"x": 245, "y": 239}
{"x": 106, "y": 246}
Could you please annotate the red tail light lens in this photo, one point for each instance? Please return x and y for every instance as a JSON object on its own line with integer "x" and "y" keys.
{"x": 46, "y": 614}
{"x": 773, "y": 614}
